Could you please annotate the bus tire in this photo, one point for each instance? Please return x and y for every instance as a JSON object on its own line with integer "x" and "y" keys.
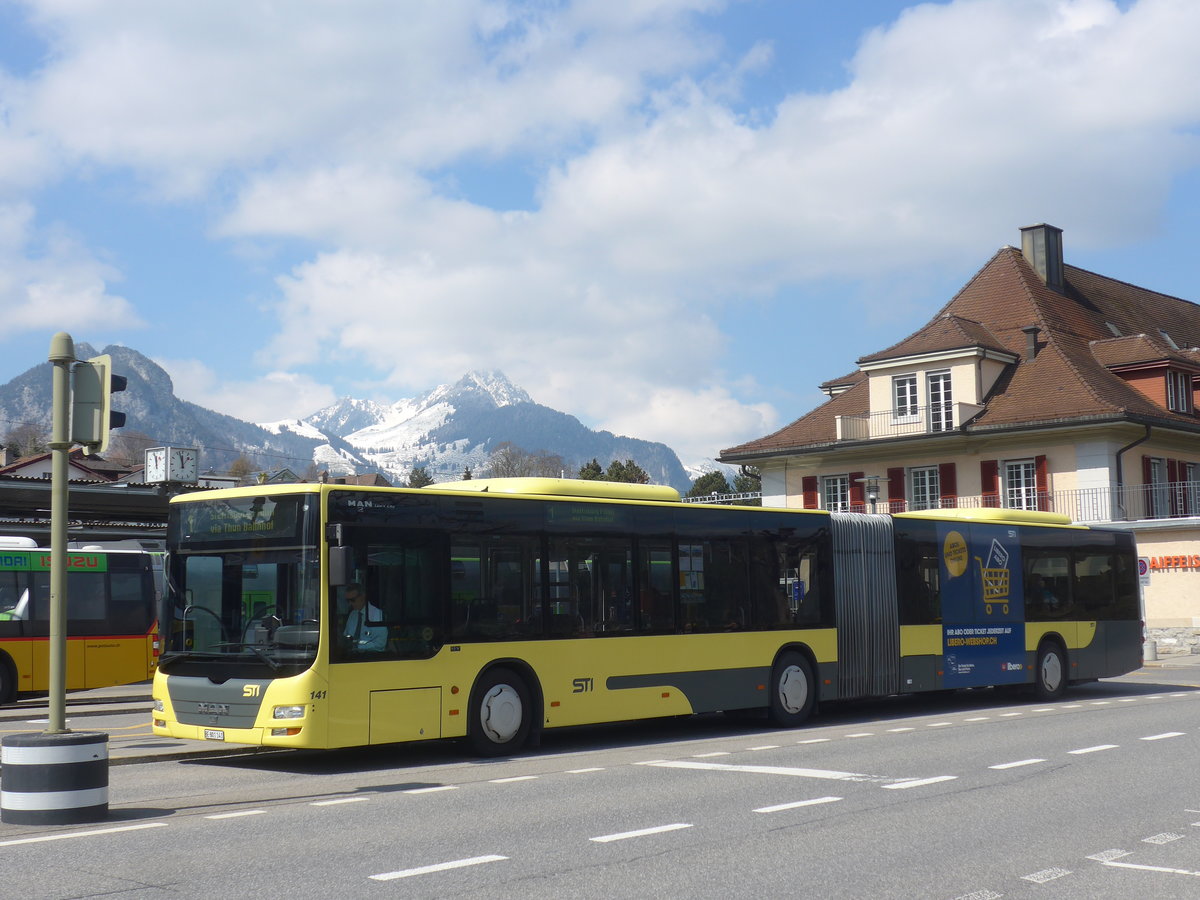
{"x": 500, "y": 714}
{"x": 793, "y": 690}
{"x": 8, "y": 679}
{"x": 1050, "y": 675}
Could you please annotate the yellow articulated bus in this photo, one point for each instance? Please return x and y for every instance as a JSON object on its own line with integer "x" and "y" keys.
{"x": 112, "y": 604}
{"x": 335, "y": 616}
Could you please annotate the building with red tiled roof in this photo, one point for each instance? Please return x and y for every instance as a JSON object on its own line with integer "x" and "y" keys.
{"x": 1038, "y": 386}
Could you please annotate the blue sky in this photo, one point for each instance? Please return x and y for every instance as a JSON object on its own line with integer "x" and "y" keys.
{"x": 672, "y": 218}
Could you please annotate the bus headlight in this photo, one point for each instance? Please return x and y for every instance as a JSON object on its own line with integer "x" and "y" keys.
{"x": 288, "y": 712}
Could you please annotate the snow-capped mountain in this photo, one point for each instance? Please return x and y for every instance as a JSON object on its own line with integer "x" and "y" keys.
{"x": 458, "y": 425}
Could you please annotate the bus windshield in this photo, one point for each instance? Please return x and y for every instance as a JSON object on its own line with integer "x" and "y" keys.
{"x": 242, "y": 588}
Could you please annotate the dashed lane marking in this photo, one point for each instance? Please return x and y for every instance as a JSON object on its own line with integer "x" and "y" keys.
{"x": 437, "y": 867}
{"x": 585, "y": 771}
{"x": 828, "y": 774}
{"x": 512, "y": 779}
{"x": 1046, "y": 875}
{"x": 339, "y": 801}
{"x": 237, "y": 815}
{"x": 641, "y": 832}
{"x": 919, "y": 782}
{"x": 1095, "y": 749}
{"x": 1017, "y": 764}
{"x": 432, "y": 790}
{"x": 63, "y": 836}
{"x": 1166, "y": 837}
{"x": 799, "y": 803}
{"x": 1163, "y": 736}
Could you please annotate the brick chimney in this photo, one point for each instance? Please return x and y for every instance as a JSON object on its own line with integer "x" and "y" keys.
{"x": 1041, "y": 245}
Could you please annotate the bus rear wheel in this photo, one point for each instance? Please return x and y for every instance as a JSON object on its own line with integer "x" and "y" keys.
{"x": 500, "y": 714}
{"x": 793, "y": 690}
{"x": 1050, "y": 676}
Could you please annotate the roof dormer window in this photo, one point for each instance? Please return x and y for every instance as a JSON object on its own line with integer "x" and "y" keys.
{"x": 1179, "y": 391}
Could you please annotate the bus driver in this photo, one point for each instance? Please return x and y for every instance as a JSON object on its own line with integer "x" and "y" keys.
{"x": 360, "y": 634}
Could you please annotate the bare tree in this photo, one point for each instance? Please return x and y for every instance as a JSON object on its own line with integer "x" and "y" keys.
{"x": 510, "y": 461}
{"x": 129, "y": 447}
{"x": 27, "y": 439}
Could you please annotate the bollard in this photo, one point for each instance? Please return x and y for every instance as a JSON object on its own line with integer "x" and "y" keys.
{"x": 54, "y": 779}
{"x": 1150, "y": 651}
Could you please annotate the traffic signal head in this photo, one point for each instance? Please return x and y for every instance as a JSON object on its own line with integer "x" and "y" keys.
{"x": 92, "y": 415}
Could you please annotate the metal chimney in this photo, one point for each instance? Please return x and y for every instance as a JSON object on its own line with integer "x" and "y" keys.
{"x": 1041, "y": 245}
{"x": 1031, "y": 336}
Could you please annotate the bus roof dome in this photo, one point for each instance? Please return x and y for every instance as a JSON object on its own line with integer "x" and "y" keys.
{"x": 563, "y": 487}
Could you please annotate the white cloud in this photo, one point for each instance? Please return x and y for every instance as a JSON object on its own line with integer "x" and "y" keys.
{"x": 56, "y": 286}
{"x": 275, "y": 396}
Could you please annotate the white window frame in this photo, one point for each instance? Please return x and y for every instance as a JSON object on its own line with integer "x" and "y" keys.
{"x": 906, "y": 402}
{"x": 835, "y": 493}
{"x": 1179, "y": 391}
{"x": 924, "y": 488}
{"x": 1020, "y": 484}
{"x": 941, "y": 411}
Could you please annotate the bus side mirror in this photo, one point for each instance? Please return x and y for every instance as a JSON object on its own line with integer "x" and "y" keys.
{"x": 341, "y": 564}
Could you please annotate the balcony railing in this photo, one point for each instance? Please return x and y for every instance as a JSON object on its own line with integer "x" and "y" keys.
{"x": 1176, "y": 500}
{"x": 890, "y": 423}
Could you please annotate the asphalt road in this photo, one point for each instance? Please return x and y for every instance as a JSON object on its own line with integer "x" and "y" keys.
{"x": 981, "y": 795}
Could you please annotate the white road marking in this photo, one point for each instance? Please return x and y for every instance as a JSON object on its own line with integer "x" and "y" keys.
{"x": 1073, "y": 706}
{"x": 782, "y": 806}
{"x": 1100, "y": 702}
{"x": 238, "y": 815}
{"x": 1044, "y": 709}
{"x": 1095, "y": 749}
{"x": 1123, "y": 865}
{"x": 1166, "y": 837}
{"x": 1128, "y": 700}
{"x": 512, "y": 779}
{"x": 814, "y": 741}
{"x": 978, "y": 718}
{"x": 1163, "y": 736}
{"x": 585, "y": 771}
{"x": 339, "y": 801}
{"x": 715, "y": 753}
{"x": 828, "y": 774}
{"x": 431, "y": 790}
{"x": 1017, "y": 764}
{"x": 766, "y": 747}
{"x": 938, "y": 724}
{"x": 641, "y": 832}
{"x": 859, "y": 734}
{"x": 1009, "y": 715}
{"x": 438, "y": 867}
{"x": 80, "y": 834}
{"x": 1106, "y": 855}
{"x": 919, "y": 782}
{"x": 898, "y": 730}
{"x": 980, "y": 895}
{"x": 1046, "y": 875}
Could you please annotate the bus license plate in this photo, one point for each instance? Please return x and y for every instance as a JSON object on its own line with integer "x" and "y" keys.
{"x": 214, "y": 734}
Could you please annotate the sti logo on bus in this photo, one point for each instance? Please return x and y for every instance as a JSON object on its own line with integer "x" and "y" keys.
{"x": 251, "y": 690}
{"x": 580, "y": 685}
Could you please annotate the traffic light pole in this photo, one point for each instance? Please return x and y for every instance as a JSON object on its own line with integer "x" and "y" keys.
{"x": 62, "y": 355}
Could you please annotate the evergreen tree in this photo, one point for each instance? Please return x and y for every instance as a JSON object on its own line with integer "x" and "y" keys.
{"x": 748, "y": 481}
{"x": 419, "y": 477}
{"x": 628, "y": 472}
{"x": 591, "y": 471}
{"x": 467, "y": 476}
{"x": 710, "y": 483}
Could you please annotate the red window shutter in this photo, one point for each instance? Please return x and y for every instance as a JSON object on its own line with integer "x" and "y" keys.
{"x": 948, "y": 485}
{"x": 809, "y": 489}
{"x": 857, "y": 501}
{"x": 989, "y": 480}
{"x": 895, "y": 490}
{"x": 1042, "y": 481}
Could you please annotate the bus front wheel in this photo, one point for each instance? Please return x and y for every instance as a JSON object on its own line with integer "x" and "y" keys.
{"x": 1051, "y": 672}
{"x": 793, "y": 690}
{"x": 500, "y": 715}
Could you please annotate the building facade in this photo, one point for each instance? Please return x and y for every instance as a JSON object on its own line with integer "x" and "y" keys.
{"x": 1038, "y": 386}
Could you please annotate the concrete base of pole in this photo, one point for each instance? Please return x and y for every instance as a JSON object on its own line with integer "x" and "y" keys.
{"x": 1149, "y": 651}
{"x": 54, "y": 779}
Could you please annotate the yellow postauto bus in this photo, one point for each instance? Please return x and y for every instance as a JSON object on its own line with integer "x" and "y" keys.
{"x": 112, "y": 604}
{"x": 334, "y": 616}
